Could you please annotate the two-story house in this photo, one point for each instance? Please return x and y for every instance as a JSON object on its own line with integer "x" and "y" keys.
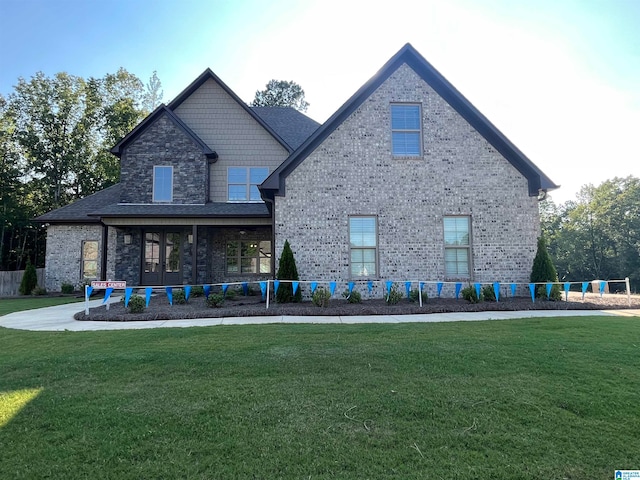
{"x": 406, "y": 181}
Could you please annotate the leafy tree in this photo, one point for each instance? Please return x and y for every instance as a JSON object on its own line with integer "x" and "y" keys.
{"x": 287, "y": 271}
{"x": 280, "y": 93}
{"x": 153, "y": 93}
{"x": 597, "y": 236}
{"x": 55, "y": 137}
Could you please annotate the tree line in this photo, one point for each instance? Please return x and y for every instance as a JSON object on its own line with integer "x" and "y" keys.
{"x": 597, "y": 235}
{"x": 55, "y": 137}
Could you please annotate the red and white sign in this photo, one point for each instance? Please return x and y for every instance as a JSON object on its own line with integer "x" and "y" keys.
{"x": 119, "y": 284}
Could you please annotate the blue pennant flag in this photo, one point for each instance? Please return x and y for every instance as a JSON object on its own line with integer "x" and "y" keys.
{"x": 407, "y": 287}
{"x": 532, "y": 289}
{"x": 567, "y": 285}
{"x": 439, "y": 287}
{"x": 263, "y": 289}
{"x": 388, "y": 285}
{"x": 513, "y": 289}
{"x": 295, "y": 286}
{"x": 147, "y": 295}
{"x": 496, "y": 290}
{"x": 314, "y": 285}
{"x": 458, "y": 288}
{"x": 370, "y": 286}
{"x": 225, "y": 287}
{"x": 245, "y": 288}
{"x": 549, "y": 286}
{"x": 89, "y": 290}
{"x": 207, "y": 290}
{"x": 585, "y": 285}
{"x": 169, "y": 291}
{"x": 351, "y": 285}
{"x": 107, "y": 294}
{"x": 276, "y": 284}
{"x": 332, "y": 287}
{"x": 602, "y": 287}
{"x": 421, "y": 285}
{"x": 127, "y": 295}
{"x": 187, "y": 292}
{"x": 478, "y": 289}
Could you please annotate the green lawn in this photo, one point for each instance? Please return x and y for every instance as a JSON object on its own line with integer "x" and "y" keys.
{"x": 10, "y": 305}
{"x": 527, "y": 399}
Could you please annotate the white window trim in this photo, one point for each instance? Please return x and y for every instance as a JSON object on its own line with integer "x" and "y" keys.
{"x": 155, "y": 167}
{"x": 468, "y": 248}
{"x": 376, "y": 248}
{"x": 419, "y": 130}
{"x": 248, "y": 184}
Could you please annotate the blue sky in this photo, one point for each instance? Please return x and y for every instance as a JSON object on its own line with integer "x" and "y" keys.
{"x": 559, "y": 78}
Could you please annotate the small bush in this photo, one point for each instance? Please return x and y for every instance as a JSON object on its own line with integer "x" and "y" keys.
{"x": 137, "y": 304}
{"x": 354, "y": 297}
{"x": 67, "y": 288}
{"x": 393, "y": 296}
{"x": 470, "y": 295}
{"x": 321, "y": 297}
{"x": 29, "y": 280}
{"x": 488, "y": 294}
{"x": 215, "y": 300}
{"x": 179, "y": 297}
{"x": 554, "y": 296}
{"x": 414, "y": 296}
{"x": 197, "y": 291}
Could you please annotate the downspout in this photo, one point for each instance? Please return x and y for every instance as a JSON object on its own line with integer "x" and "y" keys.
{"x": 103, "y": 263}
{"x": 273, "y": 235}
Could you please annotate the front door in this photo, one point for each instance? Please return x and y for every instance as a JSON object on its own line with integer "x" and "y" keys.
{"x": 162, "y": 262}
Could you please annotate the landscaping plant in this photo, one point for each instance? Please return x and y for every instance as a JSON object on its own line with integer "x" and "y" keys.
{"x": 287, "y": 271}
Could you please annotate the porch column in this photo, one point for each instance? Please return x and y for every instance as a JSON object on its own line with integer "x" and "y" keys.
{"x": 194, "y": 255}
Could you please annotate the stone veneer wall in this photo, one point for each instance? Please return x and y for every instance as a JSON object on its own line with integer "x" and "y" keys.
{"x": 164, "y": 144}
{"x": 64, "y": 253}
{"x": 460, "y": 173}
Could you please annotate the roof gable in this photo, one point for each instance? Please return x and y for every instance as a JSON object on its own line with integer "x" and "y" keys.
{"x": 209, "y": 75}
{"x": 537, "y": 180}
{"x": 151, "y": 118}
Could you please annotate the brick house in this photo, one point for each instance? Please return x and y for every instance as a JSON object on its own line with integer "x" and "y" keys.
{"x": 406, "y": 181}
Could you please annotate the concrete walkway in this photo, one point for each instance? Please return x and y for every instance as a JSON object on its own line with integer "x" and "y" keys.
{"x": 60, "y": 318}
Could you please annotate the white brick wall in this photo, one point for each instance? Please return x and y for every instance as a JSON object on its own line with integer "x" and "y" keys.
{"x": 460, "y": 173}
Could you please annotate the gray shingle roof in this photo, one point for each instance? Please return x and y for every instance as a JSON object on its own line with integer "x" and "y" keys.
{"x": 80, "y": 210}
{"x": 213, "y": 209}
{"x": 291, "y": 125}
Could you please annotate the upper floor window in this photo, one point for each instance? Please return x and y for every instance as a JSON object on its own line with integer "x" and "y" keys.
{"x": 405, "y": 130}
{"x": 457, "y": 247}
{"x": 242, "y": 183}
{"x": 363, "y": 242}
{"x": 162, "y": 184}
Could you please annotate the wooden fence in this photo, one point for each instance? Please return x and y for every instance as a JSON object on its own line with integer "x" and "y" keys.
{"x": 10, "y": 281}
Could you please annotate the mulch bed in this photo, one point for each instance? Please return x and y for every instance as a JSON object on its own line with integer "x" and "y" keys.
{"x": 252, "y": 306}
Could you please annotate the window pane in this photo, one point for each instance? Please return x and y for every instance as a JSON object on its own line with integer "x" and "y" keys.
{"x": 255, "y": 194}
{"x": 90, "y": 250}
{"x": 456, "y": 231}
{"x": 456, "y": 261}
{"x": 265, "y": 265}
{"x": 237, "y": 192}
{"x": 258, "y": 175}
{"x": 249, "y": 265}
{"x": 162, "y": 184}
{"x": 405, "y": 117}
{"x": 406, "y": 143}
{"x": 265, "y": 248}
{"x": 90, "y": 269}
{"x": 362, "y": 232}
{"x": 232, "y": 265}
{"x": 237, "y": 175}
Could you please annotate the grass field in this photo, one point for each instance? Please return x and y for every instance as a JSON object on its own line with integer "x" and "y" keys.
{"x": 527, "y": 399}
{"x": 10, "y": 305}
